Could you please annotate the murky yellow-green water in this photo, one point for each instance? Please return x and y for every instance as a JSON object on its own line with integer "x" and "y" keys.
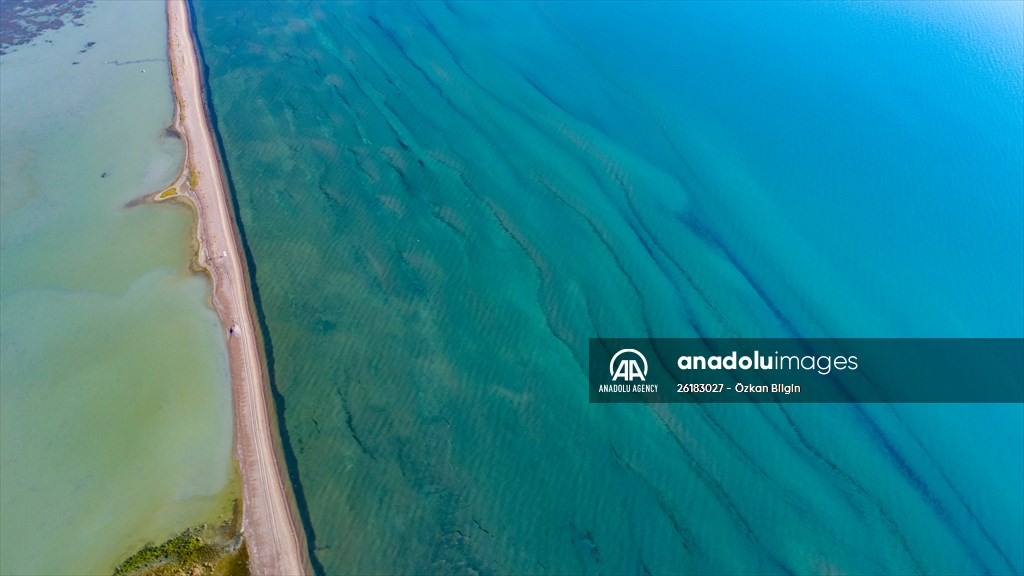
{"x": 114, "y": 388}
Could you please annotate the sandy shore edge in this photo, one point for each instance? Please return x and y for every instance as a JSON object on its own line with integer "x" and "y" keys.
{"x": 268, "y": 522}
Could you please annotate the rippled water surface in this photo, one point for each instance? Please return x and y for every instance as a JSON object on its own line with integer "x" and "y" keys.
{"x": 443, "y": 201}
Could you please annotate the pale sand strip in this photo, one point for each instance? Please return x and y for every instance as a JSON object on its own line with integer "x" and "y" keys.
{"x": 268, "y": 525}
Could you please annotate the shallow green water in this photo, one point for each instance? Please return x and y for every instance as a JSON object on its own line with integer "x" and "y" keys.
{"x": 114, "y": 390}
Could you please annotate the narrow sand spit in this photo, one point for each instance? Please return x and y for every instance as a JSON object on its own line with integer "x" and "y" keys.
{"x": 268, "y": 525}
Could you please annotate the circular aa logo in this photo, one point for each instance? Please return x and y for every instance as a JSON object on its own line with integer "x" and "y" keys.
{"x": 624, "y": 365}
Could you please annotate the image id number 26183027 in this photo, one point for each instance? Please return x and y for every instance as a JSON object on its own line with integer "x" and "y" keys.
{"x": 700, "y": 388}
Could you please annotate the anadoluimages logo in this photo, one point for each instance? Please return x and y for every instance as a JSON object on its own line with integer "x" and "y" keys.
{"x": 627, "y": 368}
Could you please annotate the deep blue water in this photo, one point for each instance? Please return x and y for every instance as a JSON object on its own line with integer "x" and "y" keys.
{"x": 443, "y": 201}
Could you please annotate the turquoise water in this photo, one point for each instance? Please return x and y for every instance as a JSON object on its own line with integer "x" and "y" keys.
{"x": 442, "y": 202}
{"x": 115, "y": 400}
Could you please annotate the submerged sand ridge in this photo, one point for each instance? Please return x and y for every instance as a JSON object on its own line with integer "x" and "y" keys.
{"x": 268, "y": 525}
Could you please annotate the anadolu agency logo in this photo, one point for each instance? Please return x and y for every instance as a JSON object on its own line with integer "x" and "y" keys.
{"x": 628, "y": 365}
{"x": 627, "y": 368}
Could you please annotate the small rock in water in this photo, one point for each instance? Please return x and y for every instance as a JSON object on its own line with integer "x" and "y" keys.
{"x": 105, "y": 174}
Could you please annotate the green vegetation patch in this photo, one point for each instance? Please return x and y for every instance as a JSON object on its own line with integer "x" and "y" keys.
{"x": 168, "y": 193}
{"x": 184, "y": 550}
{"x": 204, "y": 550}
{"x": 189, "y": 553}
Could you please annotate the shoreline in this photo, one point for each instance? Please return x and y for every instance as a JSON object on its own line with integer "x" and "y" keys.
{"x": 268, "y": 521}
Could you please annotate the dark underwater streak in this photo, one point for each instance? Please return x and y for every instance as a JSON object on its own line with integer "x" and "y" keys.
{"x": 534, "y": 255}
{"x": 684, "y": 532}
{"x": 279, "y": 402}
{"x": 959, "y": 495}
{"x": 639, "y": 229}
{"x": 720, "y": 494}
{"x": 345, "y": 405}
{"x": 636, "y": 224}
{"x": 914, "y": 479}
{"x": 688, "y": 180}
{"x": 850, "y": 480}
